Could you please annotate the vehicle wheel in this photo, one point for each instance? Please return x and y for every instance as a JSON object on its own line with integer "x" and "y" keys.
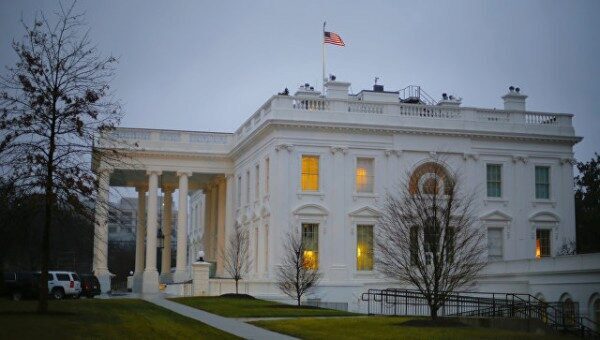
{"x": 17, "y": 296}
{"x": 58, "y": 294}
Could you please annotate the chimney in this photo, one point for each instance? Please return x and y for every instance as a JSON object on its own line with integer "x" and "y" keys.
{"x": 514, "y": 100}
{"x": 336, "y": 89}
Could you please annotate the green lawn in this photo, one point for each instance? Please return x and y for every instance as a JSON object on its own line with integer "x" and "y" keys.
{"x": 107, "y": 319}
{"x": 244, "y": 308}
{"x": 380, "y": 327}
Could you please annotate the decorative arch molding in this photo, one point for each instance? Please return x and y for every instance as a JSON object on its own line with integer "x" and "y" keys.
{"x": 365, "y": 212}
{"x": 544, "y": 216}
{"x": 428, "y": 175}
{"x": 544, "y": 220}
{"x": 311, "y": 209}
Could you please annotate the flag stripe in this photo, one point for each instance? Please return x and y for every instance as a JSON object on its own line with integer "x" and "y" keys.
{"x": 332, "y": 38}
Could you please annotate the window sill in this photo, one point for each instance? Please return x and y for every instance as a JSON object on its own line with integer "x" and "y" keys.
{"x": 319, "y": 194}
{"x": 493, "y": 200}
{"x": 357, "y": 195}
{"x": 538, "y": 201}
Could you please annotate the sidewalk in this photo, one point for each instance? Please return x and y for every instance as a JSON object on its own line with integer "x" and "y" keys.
{"x": 228, "y": 325}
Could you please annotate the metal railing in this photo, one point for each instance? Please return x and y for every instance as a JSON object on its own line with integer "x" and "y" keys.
{"x": 561, "y": 316}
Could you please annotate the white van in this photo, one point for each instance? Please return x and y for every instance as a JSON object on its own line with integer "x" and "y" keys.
{"x": 61, "y": 284}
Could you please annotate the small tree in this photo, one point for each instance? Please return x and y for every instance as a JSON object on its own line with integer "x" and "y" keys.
{"x": 236, "y": 260}
{"x": 295, "y": 277}
{"x": 53, "y": 103}
{"x": 427, "y": 236}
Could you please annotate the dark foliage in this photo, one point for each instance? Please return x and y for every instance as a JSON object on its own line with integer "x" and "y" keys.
{"x": 587, "y": 206}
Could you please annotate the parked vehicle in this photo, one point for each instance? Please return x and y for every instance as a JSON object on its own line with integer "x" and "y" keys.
{"x": 20, "y": 285}
{"x": 90, "y": 286}
{"x": 62, "y": 284}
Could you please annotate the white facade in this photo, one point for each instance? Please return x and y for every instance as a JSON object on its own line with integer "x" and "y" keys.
{"x": 253, "y": 177}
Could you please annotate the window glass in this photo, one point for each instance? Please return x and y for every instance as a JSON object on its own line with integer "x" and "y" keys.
{"x": 63, "y": 277}
{"x": 75, "y": 277}
{"x": 364, "y": 247}
{"x": 495, "y": 244}
{"x": 494, "y": 180}
{"x": 542, "y": 243}
{"x": 310, "y": 173}
{"x": 50, "y": 277}
{"x": 364, "y": 174}
{"x": 310, "y": 240}
{"x": 542, "y": 182}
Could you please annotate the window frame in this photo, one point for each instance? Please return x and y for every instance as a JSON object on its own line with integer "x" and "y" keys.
{"x": 372, "y": 175}
{"x": 318, "y": 240}
{"x": 318, "y": 174}
{"x": 502, "y": 250}
{"x": 550, "y": 245}
{"x": 535, "y": 183}
{"x": 499, "y": 182}
{"x": 372, "y": 251}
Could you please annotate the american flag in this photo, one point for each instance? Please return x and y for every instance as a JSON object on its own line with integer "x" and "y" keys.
{"x": 333, "y": 38}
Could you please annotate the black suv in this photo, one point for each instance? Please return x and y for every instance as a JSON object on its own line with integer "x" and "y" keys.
{"x": 90, "y": 286}
{"x": 20, "y": 285}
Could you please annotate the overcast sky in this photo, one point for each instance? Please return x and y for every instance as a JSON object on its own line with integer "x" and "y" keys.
{"x": 208, "y": 65}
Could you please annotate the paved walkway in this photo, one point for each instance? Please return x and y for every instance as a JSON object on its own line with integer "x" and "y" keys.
{"x": 228, "y": 325}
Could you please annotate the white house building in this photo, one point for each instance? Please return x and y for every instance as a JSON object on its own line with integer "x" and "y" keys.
{"x": 319, "y": 164}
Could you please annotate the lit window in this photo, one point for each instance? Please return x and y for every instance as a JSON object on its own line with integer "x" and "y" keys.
{"x": 495, "y": 244}
{"x": 542, "y": 182}
{"x": 364, "y": 174}
{"x": 494, "y": 180}
{"x": 542, "y": 243}
{"x": 364, "y": 247}
{"x": 310, "y": 173}
{"x": 310, "y": 241}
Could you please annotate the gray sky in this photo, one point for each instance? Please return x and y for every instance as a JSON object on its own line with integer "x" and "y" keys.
{"x": 208, "y": 65}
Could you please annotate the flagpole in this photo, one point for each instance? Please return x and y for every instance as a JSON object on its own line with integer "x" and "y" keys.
{"x": 323, "y": 42}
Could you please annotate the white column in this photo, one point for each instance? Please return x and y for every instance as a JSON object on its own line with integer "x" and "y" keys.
{"x": 101, "y": 231}
{"x": 180, "y": 271}
{"x": 167, "y": 232}
{"x": 150, "y": 276}
{"x": 220, "y": 227}
{"x": 140, "y": 235}
{"x": 206, "y": 227}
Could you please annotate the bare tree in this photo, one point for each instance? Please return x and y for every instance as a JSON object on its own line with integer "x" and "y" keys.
{"x": 296, "y": 275}
{"x": 53, "y": 102}
{"x": 427, "y": 236}
{"x": 236, "y": 257}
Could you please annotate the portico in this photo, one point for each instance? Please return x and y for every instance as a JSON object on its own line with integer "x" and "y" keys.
{"x": 147, "y": 165}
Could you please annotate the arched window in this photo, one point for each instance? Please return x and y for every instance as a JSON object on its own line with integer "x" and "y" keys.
{"x": 596, "y": 311}
{"x": 568, "y": 309}
{"x": 430, "y": 178}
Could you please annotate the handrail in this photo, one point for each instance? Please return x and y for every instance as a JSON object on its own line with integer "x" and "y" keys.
{"x": 394, "y": 301}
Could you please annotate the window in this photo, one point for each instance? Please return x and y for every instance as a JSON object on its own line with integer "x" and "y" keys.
{"x": 495, "y": 244}
{"x": 239, "y": 191}
{"x": 310, "y": 240}
{"x": 542, "y": 182}
{"x": 364, "y": 175}
{"x": 63, "y": 277}
{"x": 494, "y": 180}
{"x": 257, "y": 183}
{"x": 50, "y": 277}
{"x": 247, "y": 187}
{"x": 310, "y": 173}
{"x": 364, "y": 247}
{"x": 542, "y": 243}
{"x": 267, "y": 164}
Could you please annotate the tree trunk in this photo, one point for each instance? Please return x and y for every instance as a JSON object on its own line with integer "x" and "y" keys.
{"x": 236, "y": 287}
{"x": 43, "y": 284}
{"x": 298, "y": 300}
{"x": 434, "y": 312}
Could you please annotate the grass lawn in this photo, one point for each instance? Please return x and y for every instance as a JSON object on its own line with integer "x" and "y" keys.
{"x": 380, "y": 327}
{"x": 95, "y": 318}
{"x": 245, "y": 308}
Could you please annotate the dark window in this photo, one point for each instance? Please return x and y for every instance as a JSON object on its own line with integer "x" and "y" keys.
{"x": 50, "y": 277}
{"x": 75, "y": 277}
{"x": 542, "y": 243}
{"x": 63, "y": 277}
